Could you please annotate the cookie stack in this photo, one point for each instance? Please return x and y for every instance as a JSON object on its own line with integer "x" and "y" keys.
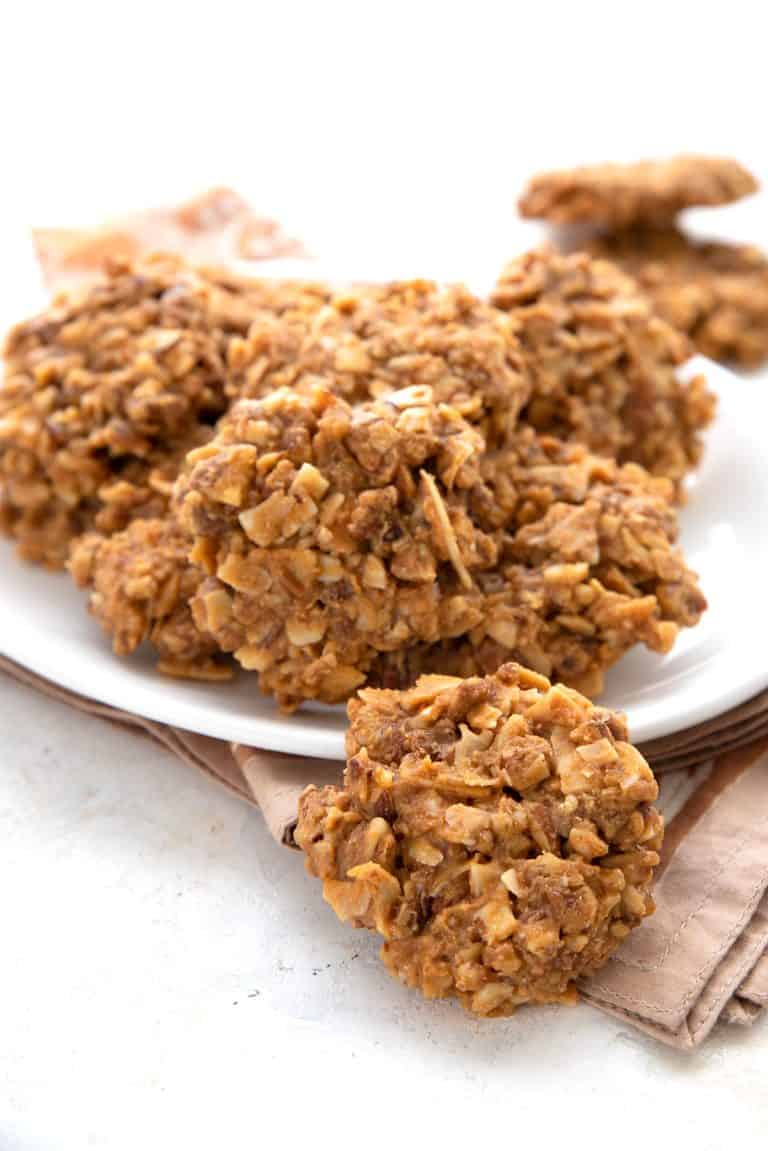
{"x": 716, "y": 293}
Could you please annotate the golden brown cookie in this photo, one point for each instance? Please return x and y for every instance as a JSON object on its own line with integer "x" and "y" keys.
{"x": 498, "y": 833}
{"x": 716, "y": 293}
{"x": 582, "y": 357}
{"x": 602, "y": 365}
{"x": 109, "y": 391}
{"x": 376, "y": 339}
{"x": 360, "y": 344}
{"x": 334, "y": 535}
{"x": 650, "y": 192}
{"x": 459, "y": 350}
{"x": 106, "y": 391}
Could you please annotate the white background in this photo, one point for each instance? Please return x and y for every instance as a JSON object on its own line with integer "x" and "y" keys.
{"x": 142, "y": 909}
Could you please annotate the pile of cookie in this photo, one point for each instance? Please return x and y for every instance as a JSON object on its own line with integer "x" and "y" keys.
{"x": 717, "y": 293}
{"x": 454, "y": 512}
{"x": 349, "y": 487}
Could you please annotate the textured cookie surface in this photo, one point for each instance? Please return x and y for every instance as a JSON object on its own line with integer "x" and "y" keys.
{"x": 602, "y": 364}
{"x": 357, "y": 344}
{"x": 337, "y": 536}
{"x": 141, "y": 582}
{"x": 716, "y": 293}
{"x": 106, "y": 391}
{"x": 498, "y": 833}
{"x": 376, "y": 339}
{"x": 652, "y": 191}
{"x": 381, "y": 523}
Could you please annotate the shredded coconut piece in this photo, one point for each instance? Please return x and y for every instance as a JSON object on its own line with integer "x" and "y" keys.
{"x": 449, "y": 536}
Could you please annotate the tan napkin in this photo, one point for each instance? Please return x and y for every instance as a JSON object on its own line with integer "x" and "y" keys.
{"x": 216, "y": 227}
{"x": 701, "y": 958}
{"x": 703, "y": 955}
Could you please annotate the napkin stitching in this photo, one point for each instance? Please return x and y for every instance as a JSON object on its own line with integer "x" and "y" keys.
{"x": 667, "y": 1028}
{"x": 733, "y": 934}
{"x": 593, "y": 987}
{"x": 688, "y": 998}
{"x": 758, "y": 946}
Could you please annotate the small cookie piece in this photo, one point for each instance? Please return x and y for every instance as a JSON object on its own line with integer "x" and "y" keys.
{"x": 334, "y": 535}
{"x": 649, "y": 192}
{"x": 141, "y": 583}
{"x": 716, "y": 293}
{"x": 106, "y": 392}
{"x": 602, "y": 364}
{"x": 498, "y": 833}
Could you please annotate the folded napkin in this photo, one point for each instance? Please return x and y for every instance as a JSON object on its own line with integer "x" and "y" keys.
{"x": 701, "y": 958}
{"x": 703, "y": 955}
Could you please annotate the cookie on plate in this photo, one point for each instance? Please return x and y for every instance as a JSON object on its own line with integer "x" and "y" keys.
{"x": 603, "y": 366}
{"x": 648, "y": 192}
{"x": 106, "y": 391}
{"x": 358, "y": 344}
{"x": 716, "y": 293}
{"x": 141, "y": 581}
{"x": 373, "y": 339}
{"x": 333, "y": 535}
{"x": 498, "y": 833}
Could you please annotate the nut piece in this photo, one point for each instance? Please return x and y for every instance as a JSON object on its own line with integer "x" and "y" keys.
{"x": 652, "y": 191}
{"x": 496, "y": 894}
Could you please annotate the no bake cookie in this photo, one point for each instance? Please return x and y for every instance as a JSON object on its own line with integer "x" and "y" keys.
{"x": 141, "y": 582}
{"x": 716, "y": 293}
{"x": 374, "y": 339}
{"x": 649, "y": 192}
{"x": 106, "y": 392}
{"x": 335, "y": 535}
{"x": 498, "y": 833}
{"x": 602, "y": 364}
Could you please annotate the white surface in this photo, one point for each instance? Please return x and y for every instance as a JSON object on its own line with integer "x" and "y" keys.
{"x": 140, "y": 905}
{"x": 713, "y": 666}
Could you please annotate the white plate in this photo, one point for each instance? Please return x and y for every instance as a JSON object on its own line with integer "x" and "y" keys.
{"x": 716, "y": 665}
